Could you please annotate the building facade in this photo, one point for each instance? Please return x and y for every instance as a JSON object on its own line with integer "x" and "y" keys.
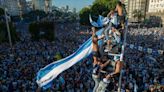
{"x": 29, "y": 6}
{"x": 156, "y": 6}
{"x": 133, "y": 5}
{"x": 44, "y": 5}
{"x": 2, "y": 2}
{"x": 22, "y": 7}
{"x": 48, "y": 6}
{"x": 38, "y": 4}
{"x": 14, "y": 7}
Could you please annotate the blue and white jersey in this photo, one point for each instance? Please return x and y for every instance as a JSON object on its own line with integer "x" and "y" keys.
{"x": 114, "y": 19}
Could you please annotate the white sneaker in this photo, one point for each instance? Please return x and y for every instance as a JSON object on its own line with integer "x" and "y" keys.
{"x": 106, "y": 81}
{"x": 106, "y": 50}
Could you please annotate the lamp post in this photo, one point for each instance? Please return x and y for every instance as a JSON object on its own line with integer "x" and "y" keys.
{"x": 8, "y": 29}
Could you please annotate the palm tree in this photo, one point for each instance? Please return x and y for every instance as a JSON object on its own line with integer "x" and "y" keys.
{"x": 137, "y": 14}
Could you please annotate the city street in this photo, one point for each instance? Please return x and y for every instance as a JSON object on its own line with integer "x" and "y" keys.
{"x": 81, "y": 46}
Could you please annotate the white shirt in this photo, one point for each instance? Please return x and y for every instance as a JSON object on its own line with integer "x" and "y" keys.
{"x": 114, "y": 19}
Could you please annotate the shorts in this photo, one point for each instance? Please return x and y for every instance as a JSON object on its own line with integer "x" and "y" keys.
{"x": 96, "y": 53}
{"x": 115, "y": 26}
{"x": 121, "y": 19}
{"x": 116, "y": 77}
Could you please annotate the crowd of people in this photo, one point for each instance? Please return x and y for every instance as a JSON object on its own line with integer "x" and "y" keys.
{"x": 19, "y": 65}
{"x": 140, "y": 72}
{"x": 147, "y": 37}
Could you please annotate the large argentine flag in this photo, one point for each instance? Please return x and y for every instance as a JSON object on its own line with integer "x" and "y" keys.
{"x": 46, "y": 75}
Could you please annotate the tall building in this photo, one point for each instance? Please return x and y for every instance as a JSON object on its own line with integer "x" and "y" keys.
{"x": 156, "y": 11}
{"x": 2, "y": 3}
{"x": 38, "y": 4}
{"x": 74, "y": 10}
{"x": 156, "y": 6}
{"x": 48, "y": 6}
{"x": 44, "y": 5}
{"x": 29, "y": 6}
{"x": 14, "y": 7}
{"x": 22, "y": 4}
{"x": 137, "y": 5}
{"x": 126, "y": 4}
{"x": 22, "y": 7}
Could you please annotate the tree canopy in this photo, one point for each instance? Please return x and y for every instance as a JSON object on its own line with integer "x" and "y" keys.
{"x": 138, "y": 14}
{"x": 42, "y": 30}
{"x": 99, "y": 7}
{"x": 84, "y": 15}
{"x": 4, "y": 34}
{"x": 1, "y": 11}
{"x": 32, "y": 15}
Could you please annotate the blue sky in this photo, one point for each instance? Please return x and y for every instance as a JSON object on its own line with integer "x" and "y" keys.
{"x": 78, "y": 4}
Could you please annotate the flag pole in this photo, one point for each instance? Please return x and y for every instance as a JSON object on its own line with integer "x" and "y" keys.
{"x": 8, "y": 28}
{"x": 122, "y": 55}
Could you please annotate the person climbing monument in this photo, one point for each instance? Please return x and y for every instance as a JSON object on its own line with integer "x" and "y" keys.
{"x": 116, "y": 65}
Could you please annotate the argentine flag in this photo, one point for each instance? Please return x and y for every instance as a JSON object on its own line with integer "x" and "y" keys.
{"x": 46, "y": 75}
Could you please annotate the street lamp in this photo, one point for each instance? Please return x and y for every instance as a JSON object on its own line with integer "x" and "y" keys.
{"x": 8, "y": 29}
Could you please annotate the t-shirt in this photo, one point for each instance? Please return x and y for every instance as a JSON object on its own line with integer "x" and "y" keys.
{"x": 96, "y": 69}
{"x": 114, "y": 19}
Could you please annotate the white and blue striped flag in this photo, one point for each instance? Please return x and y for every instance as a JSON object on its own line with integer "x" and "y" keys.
{"x": 46, "y": 75}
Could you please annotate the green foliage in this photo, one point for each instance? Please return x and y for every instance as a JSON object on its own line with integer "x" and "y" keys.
{"x": 1, "y": 11}
{"x": 4, "y": 34}
{"x": 99, "y": 7}
{"x": 32, "y": 16}
{"x": 66, "y": 16}
{"x": 72, "y": 18}
{"x": 102, "y": 9}
{"x": 138, "y": 14}
{"x": 110, "y": 4}
{"x": 84, "y": 16}
{"x": 42, "y": 30}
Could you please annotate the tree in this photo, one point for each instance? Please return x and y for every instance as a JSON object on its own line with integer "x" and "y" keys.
{"x": 110, "y": 4}
{"x": 99, "y": 7}
{"x": 137, "y": 14}
{"x": 42, "y": 30}
{"x": 32, "y": 16}
{"x": 84, "y": 16}
{"x": 3, "y": 30}
{"x": 1, "y": 11}
{"x": 4, "y": 34}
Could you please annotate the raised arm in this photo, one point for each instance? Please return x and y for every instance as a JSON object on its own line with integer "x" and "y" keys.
{"x": 117, "y": 32}
{"x": 108, "y": 15}
{"x": 119, "y": 66}
{"x": 93, "y": 31}
{"x": 105, "y": 64}
{"x": 101, "y": 37}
